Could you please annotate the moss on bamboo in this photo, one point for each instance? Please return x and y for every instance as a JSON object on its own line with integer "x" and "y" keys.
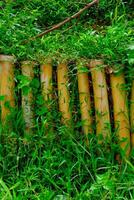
{"x": 27, "y": 68}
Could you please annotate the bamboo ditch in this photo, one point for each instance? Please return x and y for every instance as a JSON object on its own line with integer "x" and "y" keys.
{"x": 85, "y": 102}
{"x": 63, "y": 93}
{"x": 120, "y": 108}
{"x": 100, "y": 100}
{"x": 27, "y": 68}
{"x": 132, "y": 115}
{"x": 7, "y": 85}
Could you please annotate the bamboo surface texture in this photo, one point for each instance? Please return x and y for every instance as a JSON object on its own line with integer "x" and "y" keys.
{"x": 46, "y": 81}
{"x": 63, "y": 92}
{"x": 120, "y": 108}
{"x": 85, "y": 102}
{"x": 132, "y": 114}
{"x": 27, "y": 68}
{"x": 100, "y": 100}
{"x": 6, "y": 84}
{"x": 46, "y": 85}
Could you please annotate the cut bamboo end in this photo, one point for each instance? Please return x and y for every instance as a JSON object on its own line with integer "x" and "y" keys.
{"x": 27, "y": 68}
{"x": 85, "y": 102}
{"x": 46, "y": 81}
{"x": 7, "y": 84}
{"x": 7, "y": 58}
{"x": 63, "y": 93}
{"x": 121, "y": 118}
{"x": 102, "y": 113}
{"x": 132, "y": 115}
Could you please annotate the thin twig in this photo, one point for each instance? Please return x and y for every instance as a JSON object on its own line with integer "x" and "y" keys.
{"x": 57, "y": 26}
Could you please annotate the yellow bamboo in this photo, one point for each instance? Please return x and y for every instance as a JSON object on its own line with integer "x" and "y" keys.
{"x": 46, "y": 84}
{"x": 121, "y": 118}
{"x": 27, "y": 68}
{"x": 85, "y": 102}
{"x": 101, "y": 100}
{"x": 46, "y": 81}
{"x": 132, "y": 115}
{"x": 63, "y": 93}
{"x": 6, "y": 84}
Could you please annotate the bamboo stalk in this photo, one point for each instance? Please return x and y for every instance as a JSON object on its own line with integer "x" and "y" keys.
{"x": 132, "y": 115}
{"x": 27, "y": 68}
{"x": 46, "y": 84}
{"x": 46, "y": 81}
{"x": 7, "y": 84}
{"x": 101, "y": 100}
{"x": 63, "y": 93}
{"x": 85, "y": 102}
{"x": 121, "y": 118}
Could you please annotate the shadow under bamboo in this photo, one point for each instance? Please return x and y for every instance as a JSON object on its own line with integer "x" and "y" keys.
{"x": 85, "y": 102}
{"x": 102, "y": 113}
{"x": 27, "y": 68}
{"x": 7, "y": 84}
{"x": 120, "y": 108}
{"x": 63, "y": 93}
{"x": 132, "y": 115}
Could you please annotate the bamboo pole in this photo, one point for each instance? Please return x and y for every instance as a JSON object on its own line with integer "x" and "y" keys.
{"x": 101, "y": 100}
{"x": 46, "y": 81}
{"x": 7, "y": 84}
{"x": 120, "y": 108}
{"x": 27, "y": 68}
{"x": 132, "y": 115}
{"x": 46, "y": 84}
{"x": 85, "y": 102}
{"x": 63, "y": 93}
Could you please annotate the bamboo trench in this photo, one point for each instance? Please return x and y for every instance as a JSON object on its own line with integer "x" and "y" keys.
{"x": 102, "y": 113}
{"x": 85, "y": 102}
{"x": 27, "y": 68}
{"x": 63, "y": 93}
{"x": 6, "y": 85}
{"x": 120, "y": 108}
{"x": 132, "y": 115}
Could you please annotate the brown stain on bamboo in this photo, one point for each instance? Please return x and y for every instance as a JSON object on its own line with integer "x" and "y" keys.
{"x": 132, "y": 115}
{"x": 102, "y": 112}
{"x": 120, "y": 108}
{"x": 63, "y": 93}
{"x": 85, "y": 102}
{"x": 27, "y": 68}
{"x": 7, "y": 84}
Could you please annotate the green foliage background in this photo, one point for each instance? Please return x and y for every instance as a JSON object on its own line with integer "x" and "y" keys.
{"x": 102, "y": 31}
{"x": 58, "y": 165}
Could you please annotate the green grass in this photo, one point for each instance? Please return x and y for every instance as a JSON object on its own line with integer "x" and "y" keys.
{"x": 60, "y": 165}
{"x": 54, "y": 162}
